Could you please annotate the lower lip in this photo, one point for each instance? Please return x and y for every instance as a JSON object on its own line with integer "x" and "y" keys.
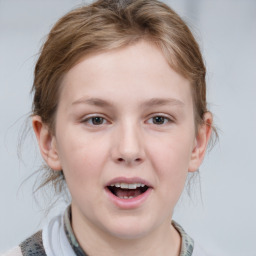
{"x": 130, "y": 203}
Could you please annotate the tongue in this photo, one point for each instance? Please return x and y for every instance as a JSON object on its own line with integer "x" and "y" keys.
{"x": 127, "y": 192}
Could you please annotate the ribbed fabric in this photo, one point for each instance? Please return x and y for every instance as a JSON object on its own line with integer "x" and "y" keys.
{"x": 33, "y": 245}
{"x": 70, "y": 234}
{"x": 187, "y": 243}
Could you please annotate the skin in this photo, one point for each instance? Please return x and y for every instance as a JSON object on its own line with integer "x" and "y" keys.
{"x": 130, "y": 89}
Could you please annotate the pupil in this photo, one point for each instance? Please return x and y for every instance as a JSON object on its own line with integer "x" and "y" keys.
{"x": 158, "y": 120}
{"x": 97, "y": 120}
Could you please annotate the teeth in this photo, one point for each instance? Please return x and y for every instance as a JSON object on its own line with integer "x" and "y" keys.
{"x": 124, "y": 185}
{"x": 126, "y": 197}
{"x": 127, "y": 186}
{"x": 132, "y": 186}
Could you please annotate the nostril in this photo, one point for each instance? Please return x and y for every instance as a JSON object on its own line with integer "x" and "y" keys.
{"x": 121, "y": 160}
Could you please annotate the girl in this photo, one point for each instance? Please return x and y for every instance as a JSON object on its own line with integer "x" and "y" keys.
{"x": 120, "y": 116}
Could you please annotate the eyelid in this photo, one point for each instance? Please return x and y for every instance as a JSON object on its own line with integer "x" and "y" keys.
{"x": 166, "y": 116}
{"x": 90, "y": 116}
{"x": 87, "y": 118}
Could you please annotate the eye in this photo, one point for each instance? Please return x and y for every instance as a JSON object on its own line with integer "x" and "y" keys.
{"x": 159, "y": 120}
{"x": 95, "y": 120}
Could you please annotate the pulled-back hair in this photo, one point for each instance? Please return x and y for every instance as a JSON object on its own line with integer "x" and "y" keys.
{"x": 110, "y": 24}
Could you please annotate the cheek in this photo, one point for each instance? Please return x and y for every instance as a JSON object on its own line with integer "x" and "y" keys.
{"x": 82, "y": 168}
{"x": 79, "y": 156}
{"x": 170, "y": 158}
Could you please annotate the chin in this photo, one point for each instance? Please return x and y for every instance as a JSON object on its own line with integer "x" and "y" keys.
{"x": 130, "y": 229}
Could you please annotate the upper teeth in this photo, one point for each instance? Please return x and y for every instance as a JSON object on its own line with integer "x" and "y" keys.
{"x": 128, "y": 186}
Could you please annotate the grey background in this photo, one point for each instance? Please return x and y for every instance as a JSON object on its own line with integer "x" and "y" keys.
{"x": 223, "y": 218}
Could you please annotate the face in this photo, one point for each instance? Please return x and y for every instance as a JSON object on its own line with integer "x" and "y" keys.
{"x": 125, "y": 140}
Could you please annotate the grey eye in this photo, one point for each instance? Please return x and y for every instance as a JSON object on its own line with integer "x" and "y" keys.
{"x": 159, "y": 120}
{"x": 97, "y": 120}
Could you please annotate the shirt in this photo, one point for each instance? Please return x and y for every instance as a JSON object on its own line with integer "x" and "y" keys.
{"x": 57, "y": 239}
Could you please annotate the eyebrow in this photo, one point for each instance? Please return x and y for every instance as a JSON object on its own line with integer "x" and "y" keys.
{"x": 149, "y": 103}
{"x": 161, "y": 102}
{"x": 93, "y": 101}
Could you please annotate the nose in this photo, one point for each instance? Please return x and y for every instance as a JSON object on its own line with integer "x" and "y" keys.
{"x": 128, "y": 146}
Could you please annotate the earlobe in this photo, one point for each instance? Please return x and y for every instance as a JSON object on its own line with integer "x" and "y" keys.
{"x": 47, "y": 143}
{"x": 201, "y": 142}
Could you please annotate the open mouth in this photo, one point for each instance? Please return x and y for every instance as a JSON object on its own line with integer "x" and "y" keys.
{"x": 127, "y": 190}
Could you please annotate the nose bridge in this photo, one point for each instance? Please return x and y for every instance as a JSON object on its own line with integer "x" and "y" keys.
{"x": 129, "y": 142}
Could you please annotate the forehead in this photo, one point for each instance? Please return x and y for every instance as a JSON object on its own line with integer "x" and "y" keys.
{"x": 138, "y": 70}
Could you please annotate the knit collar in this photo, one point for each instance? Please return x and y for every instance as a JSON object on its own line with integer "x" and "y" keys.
{"x": 187, "y": 243}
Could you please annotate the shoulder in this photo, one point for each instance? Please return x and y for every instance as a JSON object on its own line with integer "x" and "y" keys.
{"x": 16, "y": 251}
{"x": 51, "y": 240}
{"x": 189, "y": 247}
{"x": 33, "y": 245}
{"x": 199, "y": 251}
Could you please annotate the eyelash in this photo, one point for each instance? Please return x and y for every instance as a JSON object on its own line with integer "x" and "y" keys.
{"x": 90, "y": 120}
{"x": 162, "y": 117}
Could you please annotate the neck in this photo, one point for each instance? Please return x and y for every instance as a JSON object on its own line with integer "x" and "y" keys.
{"x": 164, "y": 240}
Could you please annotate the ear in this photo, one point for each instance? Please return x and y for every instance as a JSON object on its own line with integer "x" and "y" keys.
{"x": 47, "y": 143}
{"x": 201, "y": 142}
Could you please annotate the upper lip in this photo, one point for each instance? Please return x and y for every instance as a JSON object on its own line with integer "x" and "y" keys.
{"x": 126, "y": 180}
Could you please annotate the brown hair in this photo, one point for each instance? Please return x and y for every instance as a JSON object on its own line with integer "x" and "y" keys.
{"x": 110, "y": 24}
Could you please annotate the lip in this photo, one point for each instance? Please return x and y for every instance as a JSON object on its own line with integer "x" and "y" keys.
{"x": 130, "y": 203}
